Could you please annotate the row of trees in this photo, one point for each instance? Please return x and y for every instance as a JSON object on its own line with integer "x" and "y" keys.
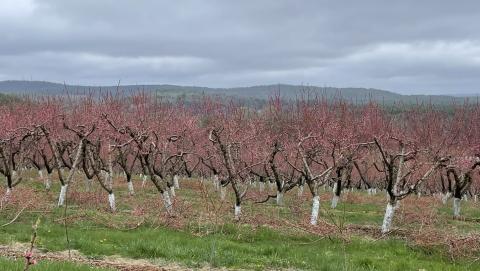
{"x": 310, "y": 143}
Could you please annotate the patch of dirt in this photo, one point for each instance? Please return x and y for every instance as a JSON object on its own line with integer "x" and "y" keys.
{"x": 17, "y": 251}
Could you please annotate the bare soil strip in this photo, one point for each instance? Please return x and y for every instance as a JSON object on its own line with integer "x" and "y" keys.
{"x": 118, "y": 263}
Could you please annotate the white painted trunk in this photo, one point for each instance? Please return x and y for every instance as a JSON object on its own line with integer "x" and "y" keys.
{"x": 48, "y": 182}
{"x": 300, "y": 191}
{"x": 465, "y": 197}
{"x": 131, "y": 191}
{"x": 144, "y": 180}
{"x": 63, "y": 193}
{"x": 270, "y": 186}
{"x": 445, "y": 197}
{"x": 374, "y": 191}
{"x": 419, "y": 194}
{"x": 369, "y": 191}
{"x": 237, "y": 212}
{"x": 279, "y": 198}
{"x": 7, "y": 194}
{"x": 475, "y": 198}
{"x": 40, "y": 173}
{"x": 456, "y": 207}
{"x": 216, "y": 182}
{"x": 111, "y": 201}
{"x": 334, "y": 187}
{"x": 172, "y": 191}
{"x": 167, "y": 201}
{"x": 335, "y": 200}
{"x": 315, "y": 210}
{"x": 261, "y": 186}
{"x": 388, "y": 218}
{"x": 223, "y": 192}
{"x": 176, "y": 184}
{"x": 88, "y": 184}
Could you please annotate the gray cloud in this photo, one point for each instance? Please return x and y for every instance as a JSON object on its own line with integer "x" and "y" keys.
{"x": 406, "y": 46}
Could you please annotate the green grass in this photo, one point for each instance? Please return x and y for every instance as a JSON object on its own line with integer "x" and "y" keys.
{"x": 236, "y": 246}
{"x": 43, "y": 265}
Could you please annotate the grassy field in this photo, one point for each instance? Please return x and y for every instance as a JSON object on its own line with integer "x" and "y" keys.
{"x": 202, "y": 233}
{"x": 18, "y": 265}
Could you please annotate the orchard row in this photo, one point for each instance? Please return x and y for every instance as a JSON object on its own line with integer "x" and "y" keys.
{"x": 308, "y": 143}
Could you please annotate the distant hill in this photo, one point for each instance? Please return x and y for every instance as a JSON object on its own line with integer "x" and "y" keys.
{"x": 258, "y": 93}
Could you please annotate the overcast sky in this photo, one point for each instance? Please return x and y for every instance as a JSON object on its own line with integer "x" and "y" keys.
{"x": 408, "y": 46}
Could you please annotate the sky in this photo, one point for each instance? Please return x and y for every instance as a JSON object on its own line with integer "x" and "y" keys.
{"x": 408, "y": 46}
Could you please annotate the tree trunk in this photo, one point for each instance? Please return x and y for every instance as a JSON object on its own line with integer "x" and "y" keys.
{"x": 300, "y": 191}
{"x": 336, "y": 194}
{"x": 61, "y": 197}
{"x": 48, "y": 182}
{"x": 335, "y": 200}
{"x": 315, "y": 210}
{"x": 445, "y": 197}
{"x": 172, "y": 191}
{"x": 456, "y": 207}
{"x": 7, "y": 194}
{"x": 237, "y": 212}
{"x": 222, "y": 192}
{"x": 388, "y": 218}
{"x": 131, "y": 191}
{"x": 216, "y": 182}
{"x": 111, "y": 201}
{"x": 88, "y": 184}
{"x": 167, "y": 201}
{"x": 279, "y": 198}
{"x": 176, "y": 184}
